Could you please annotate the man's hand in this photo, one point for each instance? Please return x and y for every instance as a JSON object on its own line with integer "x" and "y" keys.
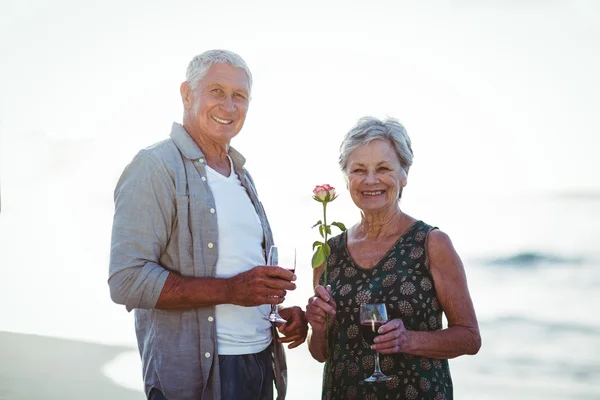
{"x": 295, "y": 329}
{"x": 260, "y": 285}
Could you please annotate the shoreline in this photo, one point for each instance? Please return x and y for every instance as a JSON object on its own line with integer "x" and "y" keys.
{"x": 42, "y": 367}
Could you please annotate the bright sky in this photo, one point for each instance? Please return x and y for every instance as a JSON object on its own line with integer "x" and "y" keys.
{"x": 498, "y": 96}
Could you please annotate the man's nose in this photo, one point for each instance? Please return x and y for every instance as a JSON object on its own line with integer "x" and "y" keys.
{"x": 228, "y": 104}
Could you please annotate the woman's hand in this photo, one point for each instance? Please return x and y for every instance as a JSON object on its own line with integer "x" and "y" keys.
{"x": 392, "y": 338}
{"x": 318, "y": 307}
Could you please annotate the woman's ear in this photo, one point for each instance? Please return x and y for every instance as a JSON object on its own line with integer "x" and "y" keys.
{"x": 403, "y": 178}
{"x": 403, "y": 182}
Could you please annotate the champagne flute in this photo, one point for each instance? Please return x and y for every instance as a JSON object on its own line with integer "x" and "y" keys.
{"x": 284, "y": 257}
{"x": 372, "y": 316}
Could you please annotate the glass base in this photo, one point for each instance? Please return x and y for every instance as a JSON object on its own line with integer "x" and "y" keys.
{"x": 275, "y": 318}
{"x": 378, "y": 377}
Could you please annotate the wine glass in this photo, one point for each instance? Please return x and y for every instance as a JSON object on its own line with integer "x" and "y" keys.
{"x": 372, "y": 316}
{"x": 284, "y": 257}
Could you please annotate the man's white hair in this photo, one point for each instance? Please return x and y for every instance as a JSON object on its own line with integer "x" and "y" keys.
{"x": 201, "y": 63}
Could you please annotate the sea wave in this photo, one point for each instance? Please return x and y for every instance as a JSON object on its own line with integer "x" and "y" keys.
{"x": 533, "y": 259}
{"x": 550, "y": 326}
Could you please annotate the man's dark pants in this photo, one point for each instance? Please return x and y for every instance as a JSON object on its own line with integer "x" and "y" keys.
{"x": 243, "y": 377}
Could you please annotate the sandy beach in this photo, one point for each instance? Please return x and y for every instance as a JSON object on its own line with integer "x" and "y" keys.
{"x": 37, "y": 367}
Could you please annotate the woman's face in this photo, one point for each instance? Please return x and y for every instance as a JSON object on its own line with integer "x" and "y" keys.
{"x": 375, "y": 177}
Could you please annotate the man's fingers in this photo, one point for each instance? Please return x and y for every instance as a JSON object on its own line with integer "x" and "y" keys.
{"x": 290, "y": 326}
{"x": 295, "y": 344}
{"x": 279, "y": 284}
{"x": 270, "y": 300}
{"x": 288, "y": 339}
{"x": 295, "y": 330}
{"x": 269, "y": 292}
{"x": 278, "y": 272}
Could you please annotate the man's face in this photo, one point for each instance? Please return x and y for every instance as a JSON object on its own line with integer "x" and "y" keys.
{"x": 218, "y": 105}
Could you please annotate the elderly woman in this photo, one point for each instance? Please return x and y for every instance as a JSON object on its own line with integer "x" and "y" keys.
{"x": 392, "y": 258}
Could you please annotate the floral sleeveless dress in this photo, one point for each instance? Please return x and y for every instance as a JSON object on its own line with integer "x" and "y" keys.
{"x": 402, "y": 280}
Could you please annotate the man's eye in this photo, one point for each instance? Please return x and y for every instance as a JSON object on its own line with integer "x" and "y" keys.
{"x": 357, "y": 170}
{"x": 217, "y": 90}
{"x": 383, "y": 169}
{"x": 241, "y": 96}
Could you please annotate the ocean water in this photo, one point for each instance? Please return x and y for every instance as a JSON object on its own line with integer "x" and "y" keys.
{"x": 532, "y": 262}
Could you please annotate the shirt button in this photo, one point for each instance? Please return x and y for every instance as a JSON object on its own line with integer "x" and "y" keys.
{"x": 201, "y": 160}
{"x": 210, "y": 319}
{"x": 207, "y": 354}
{"x": 212, "y": 210}
{"x": 210, "y": 245}
{"x": 203, "y": 179}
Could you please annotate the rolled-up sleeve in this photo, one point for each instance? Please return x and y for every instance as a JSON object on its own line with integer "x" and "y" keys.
{"x": 144, "y": 213}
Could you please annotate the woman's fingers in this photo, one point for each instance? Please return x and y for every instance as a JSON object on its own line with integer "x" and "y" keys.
{"x": 391, "y": 338}
{"x": 319, "y": 303}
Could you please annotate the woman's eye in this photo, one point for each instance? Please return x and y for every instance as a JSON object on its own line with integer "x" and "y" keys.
{"x": 357, "y": 171}
{"x": 241, "y": 96}
{"x": 383, "y": 169}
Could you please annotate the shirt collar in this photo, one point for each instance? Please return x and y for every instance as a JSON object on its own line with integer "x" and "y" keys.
{"x": 190, "y": 149}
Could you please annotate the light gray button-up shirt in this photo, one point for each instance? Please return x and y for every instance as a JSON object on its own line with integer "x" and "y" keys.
{"x": 166, "y": 220}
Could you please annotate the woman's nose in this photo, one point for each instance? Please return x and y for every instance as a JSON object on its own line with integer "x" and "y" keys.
{"x": 371, "y": 177}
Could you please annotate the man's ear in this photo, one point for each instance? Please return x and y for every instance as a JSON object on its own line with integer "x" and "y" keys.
{"x": 186, "y": 95}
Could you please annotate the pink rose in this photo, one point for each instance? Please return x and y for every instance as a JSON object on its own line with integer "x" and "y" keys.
{"x": 324, "y": 193}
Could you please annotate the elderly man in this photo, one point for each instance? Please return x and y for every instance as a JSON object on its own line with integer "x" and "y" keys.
{"x": 188, "y": 251}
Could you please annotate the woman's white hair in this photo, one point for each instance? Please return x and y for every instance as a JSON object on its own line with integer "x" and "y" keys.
{"x": 368, "y": 129}
{"x": 202, "y": 62}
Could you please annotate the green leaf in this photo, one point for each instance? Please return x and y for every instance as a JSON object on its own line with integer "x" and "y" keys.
{"x": 317, "y": 199}
{"x": 328, "y": 229}
{"x": 317, "y": 243}
{"x": 318, "y": 258}
{"x": 318, "y": 223}
{"x": 341, "y": 226}
{"x": 322, "y": 230}
{"x": 326, "y": 249}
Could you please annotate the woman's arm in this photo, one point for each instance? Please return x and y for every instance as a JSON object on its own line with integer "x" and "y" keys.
{"x": 462, "y": 335}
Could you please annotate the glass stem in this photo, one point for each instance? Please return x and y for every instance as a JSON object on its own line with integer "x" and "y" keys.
{"x": 377, "y": 368}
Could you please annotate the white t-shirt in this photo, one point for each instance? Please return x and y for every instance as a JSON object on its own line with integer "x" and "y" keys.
{"x": 240, "y": 330}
